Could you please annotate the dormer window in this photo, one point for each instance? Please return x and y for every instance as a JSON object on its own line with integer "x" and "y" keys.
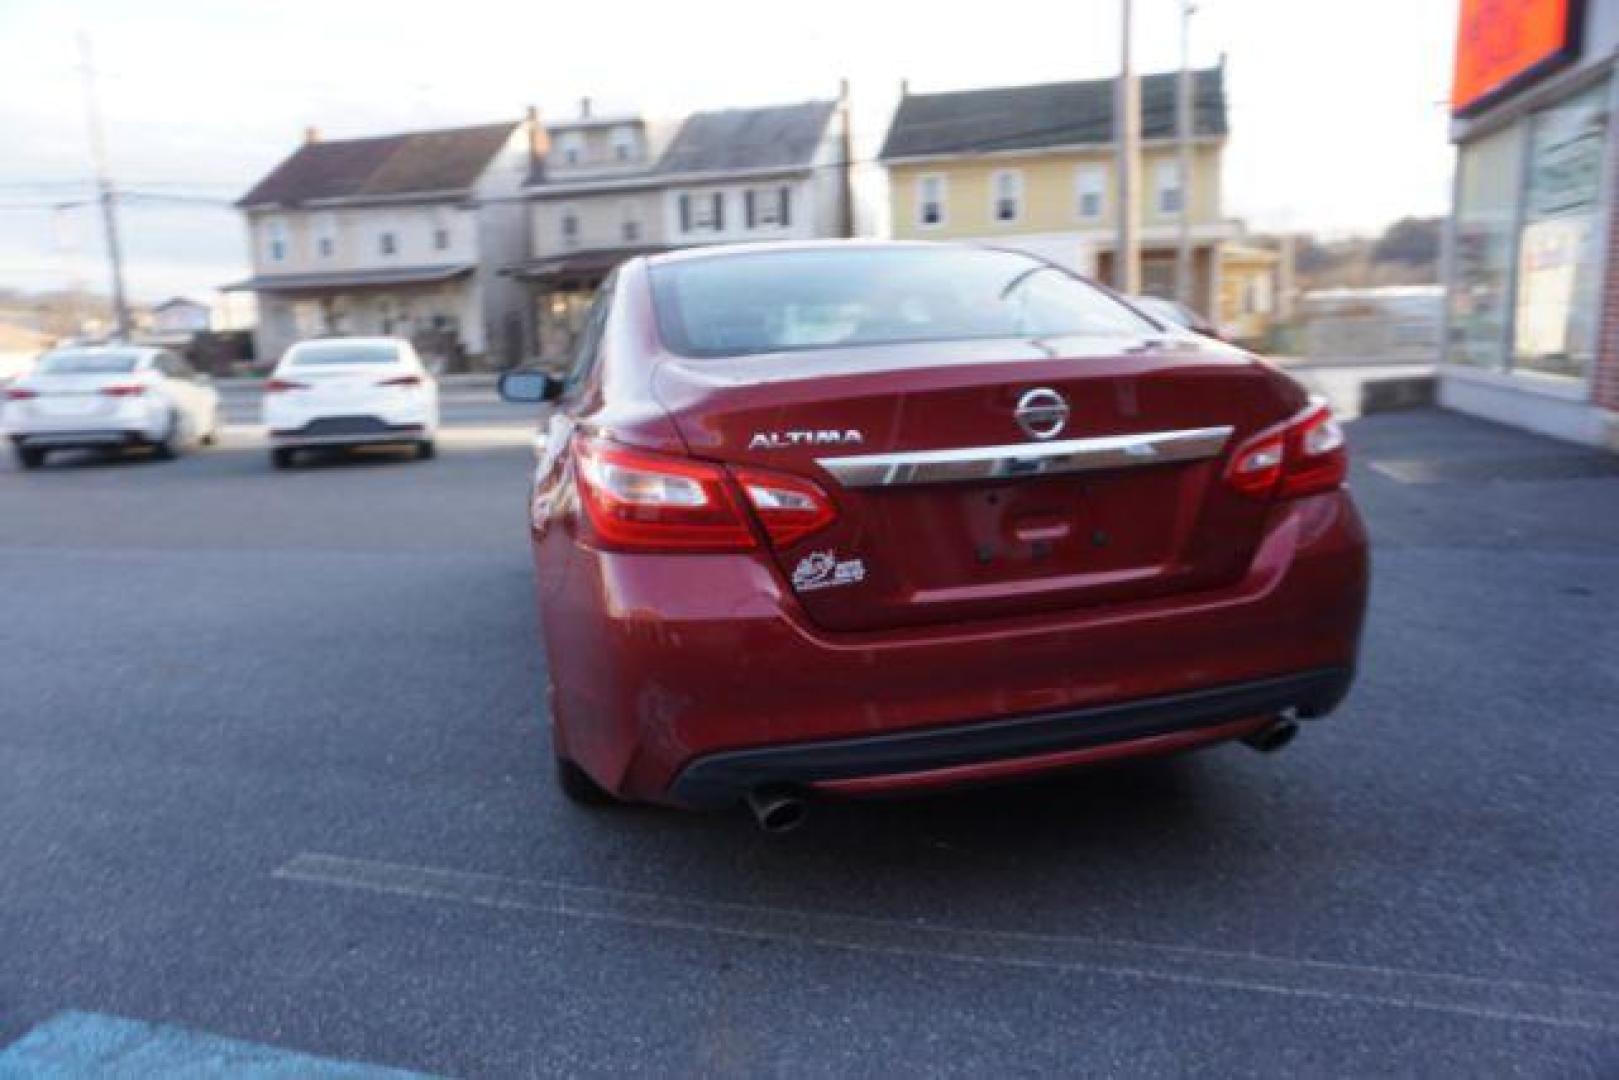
{"x": 572, "y": 145}
{"x": 624, "y": 145}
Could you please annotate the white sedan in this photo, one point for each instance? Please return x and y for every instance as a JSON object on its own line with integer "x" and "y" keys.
{"x": 350, "y": 392}
{"x": 112, "y": 396}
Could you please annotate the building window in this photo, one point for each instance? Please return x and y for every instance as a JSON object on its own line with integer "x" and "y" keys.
{"x": 1489, "y": 171}
{"x": 1006, "y": 186}
{"x": 570, "y": 227}
{"x": 573, "y": 148}
{"x": 702, "y": 213}
{"x": 1560, "y": 240}
{"x": 768, "y": 208}
{"x": 388, "y": 244}
{"x": 624, "y": 144}
{"x": 325, "y": 236}
{"x": 441, "y": 239}
{"x": 1092, "y": 192}
{"x": 930, "y": 194}
{"x": 275, "y": 240}
{"x": 1167, "y": 184}
{"x": 629, "y": 224}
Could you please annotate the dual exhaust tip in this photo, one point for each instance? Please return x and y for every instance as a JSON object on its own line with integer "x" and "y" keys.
{"x": 783, "y": 809}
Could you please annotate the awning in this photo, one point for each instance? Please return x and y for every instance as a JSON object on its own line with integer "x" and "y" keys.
{"x": 351, "y": 279}
{"x": 583, "y": 266}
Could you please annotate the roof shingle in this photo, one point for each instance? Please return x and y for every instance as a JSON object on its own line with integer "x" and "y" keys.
{"x": 742, "y": 140}
{"x": 1045, "y": 115}
{"x": 385, "y": 165}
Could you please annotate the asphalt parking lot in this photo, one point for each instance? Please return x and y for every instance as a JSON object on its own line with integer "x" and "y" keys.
{"x": 272, "y": 769}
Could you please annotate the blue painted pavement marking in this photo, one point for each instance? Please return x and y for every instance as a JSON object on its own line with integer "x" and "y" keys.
{"x": 75, "y": 1044}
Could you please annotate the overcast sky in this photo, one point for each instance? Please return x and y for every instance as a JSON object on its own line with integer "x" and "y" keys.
{"x": 1336, "y": 106}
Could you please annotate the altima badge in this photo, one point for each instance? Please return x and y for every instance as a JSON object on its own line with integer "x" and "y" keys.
{"x": 782, "y": 440}
{"x": 1041, "y": 413}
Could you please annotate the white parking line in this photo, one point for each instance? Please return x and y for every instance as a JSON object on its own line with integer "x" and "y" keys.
{"x": 1462, "y": 995}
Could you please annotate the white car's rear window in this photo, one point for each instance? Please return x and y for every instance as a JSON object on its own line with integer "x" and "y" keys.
{"x": 86, "y": 362}
{"x": 343, "y": 352}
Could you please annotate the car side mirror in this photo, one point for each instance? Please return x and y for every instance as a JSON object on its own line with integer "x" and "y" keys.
{"x": 529, "y": 386}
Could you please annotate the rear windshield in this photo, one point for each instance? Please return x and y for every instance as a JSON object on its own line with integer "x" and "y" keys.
{"x": 758, "y": 302}
{"x": 85, "y": 362}
{"x": 343, "y": 352}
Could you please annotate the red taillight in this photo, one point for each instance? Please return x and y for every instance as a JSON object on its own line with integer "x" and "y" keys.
{"x": 640, "y": 501}
{"x": 20, "y": 393}
{"x": 281, "y": 386}
{"x": 402, "y": 380}
{"x": 1303, "y": 456}
{"x": 1317, "y": 459}
{"x": 789, "y": 507}
{"x": 130, "y": 390}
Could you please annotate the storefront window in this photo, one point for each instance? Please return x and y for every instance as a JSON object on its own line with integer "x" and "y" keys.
{"x": 1559, "y": 250}
{"x": 1486, "y": 212}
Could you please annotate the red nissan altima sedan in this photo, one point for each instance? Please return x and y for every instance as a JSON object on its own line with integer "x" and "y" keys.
{"x": 853, "y": 518}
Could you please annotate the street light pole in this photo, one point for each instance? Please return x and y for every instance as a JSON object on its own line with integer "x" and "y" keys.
{"x": 1183, "y": 147}
{"x": 105, "y": 193}
{"x": 1127, "y": 133}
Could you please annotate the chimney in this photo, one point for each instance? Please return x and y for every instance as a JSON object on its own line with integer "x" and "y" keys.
{"x": 584, "y": 108}
{"x": 905, "y": 88}
{"x": 311, "y": 135}
{"x": 539, "y": 140}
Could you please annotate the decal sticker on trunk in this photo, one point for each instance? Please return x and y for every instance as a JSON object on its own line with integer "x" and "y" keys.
{"x": 823, "y": 570}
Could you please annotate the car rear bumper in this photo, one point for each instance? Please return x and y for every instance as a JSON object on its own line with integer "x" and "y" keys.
{"x": 349, "y": 431}
{"x": 64, "y": 439}
{"x": 688, "y": 679}
{"x": 129, "y": 423}
{"x": 966, "y": 752}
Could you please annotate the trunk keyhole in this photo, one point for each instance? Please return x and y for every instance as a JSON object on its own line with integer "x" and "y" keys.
{"x": 1099, "y": 537}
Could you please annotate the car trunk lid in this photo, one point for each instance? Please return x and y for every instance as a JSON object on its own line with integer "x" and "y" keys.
{"x": 949, "y": 509}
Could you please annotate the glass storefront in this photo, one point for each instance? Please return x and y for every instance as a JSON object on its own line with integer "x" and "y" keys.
{"x": 1559, "y": 251}
{"x": 1525, "y": 289}
{"x": 1486, "y": 211}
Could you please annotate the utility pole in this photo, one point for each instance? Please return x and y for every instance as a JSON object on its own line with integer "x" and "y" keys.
{"x": 1183, "y": 148}
{"x": 1127, "y": 134}
{"x": 105, "y": 193}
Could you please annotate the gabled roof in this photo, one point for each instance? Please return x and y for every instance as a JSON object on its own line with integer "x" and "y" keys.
{"x": 747, "y": 140}
{"x": 1045, "y": 115}
{"x": 178, "y": 301}
{"x": 450, "y": 159}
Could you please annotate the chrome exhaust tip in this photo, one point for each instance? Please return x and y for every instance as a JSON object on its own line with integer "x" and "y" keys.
{"x": 1271, "y": 738}
{"x": 777, "y": 810}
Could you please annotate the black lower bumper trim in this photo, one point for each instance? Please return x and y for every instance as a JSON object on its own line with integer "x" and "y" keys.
{"x": 719, "y": 779}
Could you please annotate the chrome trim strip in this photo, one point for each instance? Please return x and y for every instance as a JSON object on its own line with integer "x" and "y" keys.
{"x": 1026, "y": 459}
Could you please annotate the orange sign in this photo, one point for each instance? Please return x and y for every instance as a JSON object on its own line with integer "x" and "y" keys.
{"x": 1501, "y": 43}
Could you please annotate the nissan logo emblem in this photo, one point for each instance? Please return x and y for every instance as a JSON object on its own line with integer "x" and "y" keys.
{"x": 1041, "y": 413}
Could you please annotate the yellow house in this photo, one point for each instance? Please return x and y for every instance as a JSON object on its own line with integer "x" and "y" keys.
{"x": 1032, "y": 167}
